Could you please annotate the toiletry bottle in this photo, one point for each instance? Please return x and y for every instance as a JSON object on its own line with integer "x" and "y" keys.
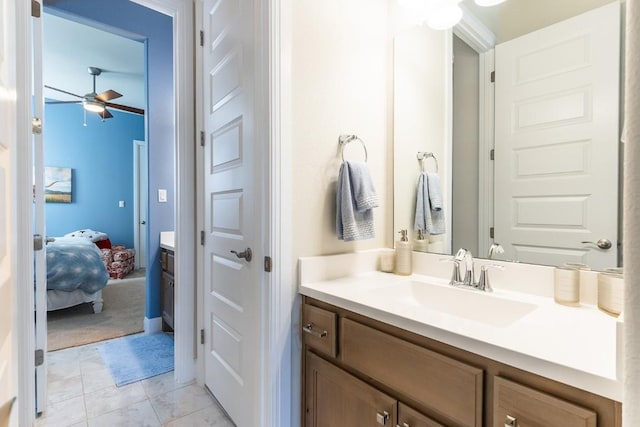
{"x": 421, "y": 244}
{"x": 403, "y": 254}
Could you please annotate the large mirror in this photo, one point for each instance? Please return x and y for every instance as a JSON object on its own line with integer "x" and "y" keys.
{"x": 513, "y": 121}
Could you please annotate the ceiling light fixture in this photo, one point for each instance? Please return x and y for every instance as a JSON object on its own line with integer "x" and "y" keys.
{"x": 93, "y": 106}
{"x": 446, "y": 16}
{"x": 487, "y": 3}
{"x": 437, "y": 14}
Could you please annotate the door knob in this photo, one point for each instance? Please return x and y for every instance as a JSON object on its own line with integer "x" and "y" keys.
{"x": 602, "y": 243}
{"x": 246, "y": 254}
{"x": 143, "y": 222}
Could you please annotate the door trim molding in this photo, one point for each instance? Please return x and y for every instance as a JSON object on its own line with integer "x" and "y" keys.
{"x": 136, "y": 199}
{"x": 280, "y": 393}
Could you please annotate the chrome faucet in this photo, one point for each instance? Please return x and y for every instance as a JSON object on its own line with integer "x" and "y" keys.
{"x": 464, "y": 258}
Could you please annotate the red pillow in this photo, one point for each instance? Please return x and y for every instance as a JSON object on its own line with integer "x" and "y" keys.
{"x": 104, "y": 244}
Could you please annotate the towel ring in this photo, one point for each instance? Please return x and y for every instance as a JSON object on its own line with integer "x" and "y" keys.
{"x": 343, "y": 140}
{"x": 423, "y": 155}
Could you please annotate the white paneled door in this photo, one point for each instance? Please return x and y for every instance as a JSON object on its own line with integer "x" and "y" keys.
{"x": 232, "y": 282}
{"x": 556, "y": 179}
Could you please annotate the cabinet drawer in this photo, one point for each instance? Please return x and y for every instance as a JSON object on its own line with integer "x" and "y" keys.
{"x": 319, "y": 329}
{"x": 408, "y": 417}
{"x": 447, "y": 387}
{"x": 528, "y": 407}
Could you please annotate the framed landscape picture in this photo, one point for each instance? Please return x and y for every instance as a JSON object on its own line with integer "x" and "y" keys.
{"x": 57, "y": 185}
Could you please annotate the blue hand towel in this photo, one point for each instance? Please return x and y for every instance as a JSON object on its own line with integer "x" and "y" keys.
{"x": 355, "y": 199}
{"x": 429, "y": 210}
{"x": 435, "y": 202}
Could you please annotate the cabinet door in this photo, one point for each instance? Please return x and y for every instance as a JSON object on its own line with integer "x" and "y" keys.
{"x": 167, "y": 298}
{"x": 336, "y": 398}
{"x": 519, "y": 406}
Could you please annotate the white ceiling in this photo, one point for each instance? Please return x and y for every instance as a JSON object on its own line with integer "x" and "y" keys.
{"x": 514, "y": 18}
{"x": 69, "y": 48}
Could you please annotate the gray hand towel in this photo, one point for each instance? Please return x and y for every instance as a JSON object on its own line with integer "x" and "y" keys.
{"x": 355, "y": 199}
{"x": 435, "y": 202}
{"x": 429, "y": 211}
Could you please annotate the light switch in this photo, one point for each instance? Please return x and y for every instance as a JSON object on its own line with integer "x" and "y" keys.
{"x": 121, "y": 204}
{"x": 162, "y": 195}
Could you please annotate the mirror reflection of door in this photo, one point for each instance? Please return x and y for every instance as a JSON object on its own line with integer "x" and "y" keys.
{"x": 557, "y": 144}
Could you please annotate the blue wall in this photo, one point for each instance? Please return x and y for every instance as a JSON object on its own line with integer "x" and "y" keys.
{"x": 137, "y": 22}
{"x": 101, "y": 156}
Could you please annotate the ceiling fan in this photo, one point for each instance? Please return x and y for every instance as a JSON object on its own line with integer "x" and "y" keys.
{"x": 97, "y": 102}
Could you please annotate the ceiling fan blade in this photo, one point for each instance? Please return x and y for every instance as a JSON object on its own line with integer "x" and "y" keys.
{"x": 63, "y": 102}
{"x": 105, "y": 114}
{"x": 125, "y": 108}
{"x": 108, "y": 95}
{"x": 63, "y": 91}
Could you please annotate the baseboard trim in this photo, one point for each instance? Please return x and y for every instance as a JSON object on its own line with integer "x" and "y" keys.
{"x": 152, "y": 325}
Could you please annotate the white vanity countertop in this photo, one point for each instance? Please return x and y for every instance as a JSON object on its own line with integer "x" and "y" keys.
{"x": 167, "y": 239}
{"x": 573, "y": 345}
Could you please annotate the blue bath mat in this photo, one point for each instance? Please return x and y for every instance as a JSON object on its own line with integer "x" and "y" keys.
{"x": 137, "y": 357}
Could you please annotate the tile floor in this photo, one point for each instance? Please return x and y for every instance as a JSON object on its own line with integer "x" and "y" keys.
{"x": 81, "y": 393}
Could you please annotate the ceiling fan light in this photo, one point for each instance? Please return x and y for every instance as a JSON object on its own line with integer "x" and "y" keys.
{"x": 487, "y": 3}
{"x": 93, "y": 106}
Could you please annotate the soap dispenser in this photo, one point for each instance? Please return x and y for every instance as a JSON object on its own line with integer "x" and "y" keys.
{"x": 421, "y": 244}
{"x": 403, "y": 254}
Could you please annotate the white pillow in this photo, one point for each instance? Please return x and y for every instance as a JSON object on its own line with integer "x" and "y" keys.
{"x": 89, "y": 234}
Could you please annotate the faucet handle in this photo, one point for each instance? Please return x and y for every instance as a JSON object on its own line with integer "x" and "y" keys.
{"x": 455, "y": 274}
{"x": 483, "y": 283}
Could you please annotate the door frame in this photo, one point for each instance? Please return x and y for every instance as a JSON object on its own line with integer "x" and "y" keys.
{"x": 23, "y": 224}
{"x": 475, "y": 34}
{"x": 138, "y": 196}
{"x": 277, "y": 377}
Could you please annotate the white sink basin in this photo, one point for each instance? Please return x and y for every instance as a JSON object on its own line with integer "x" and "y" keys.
{"x": 469, "y": 304}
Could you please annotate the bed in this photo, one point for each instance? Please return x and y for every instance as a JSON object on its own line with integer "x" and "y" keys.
{"x": 76, "y": 273}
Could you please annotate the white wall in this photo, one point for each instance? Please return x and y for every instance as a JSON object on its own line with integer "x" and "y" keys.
{"x": 341, "y": 84}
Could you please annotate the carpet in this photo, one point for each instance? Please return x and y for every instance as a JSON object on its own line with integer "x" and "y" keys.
{"x": 122, "y": 314}
{"x": 135, "y": 358}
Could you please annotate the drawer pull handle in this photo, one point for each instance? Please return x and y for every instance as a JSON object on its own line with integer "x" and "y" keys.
{"x": 308, "y": 328}
{"x": 511, "y": 421}
{"x": 382, "y": 417}
{"x": 403, "y": 425}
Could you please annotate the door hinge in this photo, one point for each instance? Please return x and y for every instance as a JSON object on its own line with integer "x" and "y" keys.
{"x": 36, "y": 9}
{"x": 493, "y": 77}
{"x": 202, "y": 237}
{"x": 267, "y": 264}
{"x": 36, "y": 126}
{"x": 201, "y": 336}
{"x": 202, "y": 138}
{"x": 201, "y": 38}
{"x": 39, "y": 356}
{"x": 492, "y": 154}
{"x": 491, "y": 232}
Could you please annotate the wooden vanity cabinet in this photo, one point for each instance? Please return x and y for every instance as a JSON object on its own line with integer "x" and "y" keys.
{"x": 167, "y": 283}
{"x": 431, "y": 383}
